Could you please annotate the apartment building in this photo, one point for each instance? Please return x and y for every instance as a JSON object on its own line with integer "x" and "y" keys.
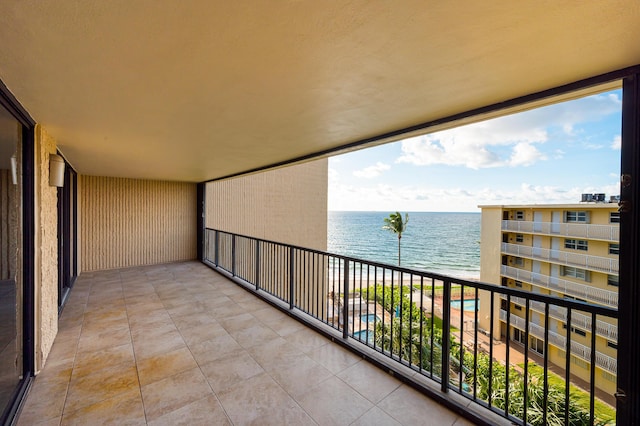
{"x": 565, "y": 250}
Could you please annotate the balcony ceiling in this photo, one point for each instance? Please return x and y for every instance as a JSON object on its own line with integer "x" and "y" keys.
{"x": 195, "y": 90}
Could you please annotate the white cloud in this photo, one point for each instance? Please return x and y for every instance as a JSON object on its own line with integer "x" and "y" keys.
{"x": 505, "y": 141}
{"x": 617, "y": 142}
{"x": 372, "y": 171}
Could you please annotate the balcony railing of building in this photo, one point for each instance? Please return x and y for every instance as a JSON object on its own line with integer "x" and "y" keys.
{"x": 603, "y": 329}
{"x": 595, "y": 263}
{"x": 579, "y": 350}
{"x": 577, "y": 230}
{"x": 592, "y": 294}
{"x": 403, "y": 320}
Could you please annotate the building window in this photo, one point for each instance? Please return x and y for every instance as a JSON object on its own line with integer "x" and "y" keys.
{"x": 576, "y": 244}
{"x": 614, "y": 217}
{"x": 537, "y": 345}
{"x": 518, "y": 308}
{"x": 519, "y": 238}
{"x": 518, "y": 261}
{"x": 576, "y": 216}
{"x": 614, "y": 248}
{"x": 575, "y": 330}
{"x": 612, "y": 280}
{"x": 612, "y": 345}
{"x": 519, "y": 215}
{"x": 518, "y": 284}
{"x": 570, "y": 271}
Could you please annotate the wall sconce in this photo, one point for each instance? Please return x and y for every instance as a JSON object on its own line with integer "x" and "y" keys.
{"x": 14, "y": 169}
{"x": 56, "y": 170}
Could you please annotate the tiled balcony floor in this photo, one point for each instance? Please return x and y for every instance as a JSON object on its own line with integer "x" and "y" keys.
{"x": 180, "y": 344}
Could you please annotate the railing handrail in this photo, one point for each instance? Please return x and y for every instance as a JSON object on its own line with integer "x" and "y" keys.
{"x": 589, "y": 262}
{"x": 600, "y": 232}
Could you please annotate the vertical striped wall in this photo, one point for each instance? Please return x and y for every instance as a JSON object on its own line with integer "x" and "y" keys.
{"x": 287, "y": 205}
{"x": 128, "y": 222}
{"x": 8, "y": 226}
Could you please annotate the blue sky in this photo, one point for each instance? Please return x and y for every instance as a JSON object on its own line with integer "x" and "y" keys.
{"x": 547, "y": 155}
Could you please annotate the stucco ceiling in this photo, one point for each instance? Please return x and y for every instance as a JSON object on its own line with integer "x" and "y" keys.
{"x": 194, "y": 90}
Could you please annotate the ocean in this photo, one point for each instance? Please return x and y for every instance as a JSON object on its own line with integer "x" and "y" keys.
{"x": 444, "y": 243}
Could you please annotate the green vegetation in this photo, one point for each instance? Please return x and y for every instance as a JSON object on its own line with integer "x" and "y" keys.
{"x": 395, "y": 224}
{"x": 409, "y": 335}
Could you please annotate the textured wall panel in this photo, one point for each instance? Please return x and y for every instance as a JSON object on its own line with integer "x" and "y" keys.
{"x": 287, "y": 205}
{"x": 128, "y": 222}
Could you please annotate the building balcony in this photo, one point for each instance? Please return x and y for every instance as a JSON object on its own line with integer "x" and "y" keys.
{"x": 594, "y": 263}
{"x": 181, "y": 344}
{"x": 603, "y": 328}
{"x": 603, "y": 361}
{"x": 610, "y": 233}
{"x": 570, "y": 288}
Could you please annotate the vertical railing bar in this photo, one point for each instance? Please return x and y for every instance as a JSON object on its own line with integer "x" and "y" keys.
{"x": 432, "y": 325}
{"x": 568, "y": 368}
{"x": 217, "y": 248}
{"x": 446, "y": 334}
{"x": 393, "y": 315}
{"x": 367, "y": 323}
{"x": 384, "y": 285}
{"x": 399, "y": 313}
{"x": 461, "y": 351}
{"x": 291, "y": 277}
{"x": 345, "y": 301}
{"x": 375, "y": 298}
{"x": 491, "y": 320}
{"x": 592, "y": 386}
{"x": 422, "y": 316}
{"x": 410, "y": 320}
{"x": 507, "y": 365}
{"x": 545, "y": 398}
{"x": 526, "y": 362}
{"x": 475, "y": 346}
{"x": 233, "y": 255}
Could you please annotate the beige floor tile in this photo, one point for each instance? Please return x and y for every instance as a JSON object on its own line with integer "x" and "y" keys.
{"x": 88, "y": 362}
{"x": 85, "y": 390}
{"x": 300, "y": 375}
{"x": 332, "y": 402}
{"x": 148, "y": 345}
{"x": 375, "y": 417}
{"x": 201, "y": 333}
{"x": 261, "y": 401}
{"x": 228, "y": 372}
{"x": 45, "y": 422}
{"x": 410, "y": 407}
{"x": 206, "y": 411}
{"x": 123, "y": 409}
{"x": 164, "y": 365}
{"x": 334, "y": 357}
{"x": 258, "y": 334}
{"x": 238, "y": 322}
{"x": 221, "y": 346}
{"x": 193, "y": 319}
{"x": 371, "y": 382}
{"x": 173, "y": 393}
{"x": 47, "y": 396}
{"x": 306, "y": 339}
{"x": 97, "y": 340}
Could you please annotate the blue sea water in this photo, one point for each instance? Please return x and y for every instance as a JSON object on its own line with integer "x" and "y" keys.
{"x": 444, "y": 243}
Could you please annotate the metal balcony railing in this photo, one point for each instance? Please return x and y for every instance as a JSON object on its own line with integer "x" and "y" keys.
{"x": 412, "y": 320}
{"x": 577, "y": 230}
{"x": 603, "y": 328}
{"x": 591, "y": 294}
{"x": 594, "y": 263}
{"x": 558, "y": 340}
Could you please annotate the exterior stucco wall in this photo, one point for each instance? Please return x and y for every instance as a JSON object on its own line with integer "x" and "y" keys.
{"x": 287, "y": 205}
{"x": 46, "y": 253}
{"x": 131, "y": 222}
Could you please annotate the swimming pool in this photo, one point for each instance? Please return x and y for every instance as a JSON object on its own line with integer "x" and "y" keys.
{"x": 369, "y": 318}
{"x": 471, "y": 305}
{"x": 366, "y": 335}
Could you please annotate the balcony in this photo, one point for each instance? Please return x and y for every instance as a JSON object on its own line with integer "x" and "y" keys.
{"x": 179, "y": 343}
{"x": 603, "y": 328}
{"x": 584, "y": 352}
{"x": 570, "y": 288}
{"x": 609, "y": 233}
{"x": 594, "y": 263}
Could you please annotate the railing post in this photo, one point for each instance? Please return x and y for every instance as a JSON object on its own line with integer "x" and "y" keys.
{"x": 257, "y": 264}
{"x": 345, "y": 300}
{"x": 217, "y": 247}
{"x": 446, "y": 334}
{"x": 291, "y": 281}
{"x": 233, "y": 255}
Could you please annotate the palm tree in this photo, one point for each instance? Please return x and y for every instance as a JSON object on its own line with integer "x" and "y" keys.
{"x": 395, "y": 224}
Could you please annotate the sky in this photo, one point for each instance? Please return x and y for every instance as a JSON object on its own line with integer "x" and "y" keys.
{"x": 547, "y": 155}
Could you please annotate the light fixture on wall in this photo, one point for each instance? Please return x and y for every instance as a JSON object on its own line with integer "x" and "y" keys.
{"x": 56, "y": 170}
{"x": 14, "y": 169}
